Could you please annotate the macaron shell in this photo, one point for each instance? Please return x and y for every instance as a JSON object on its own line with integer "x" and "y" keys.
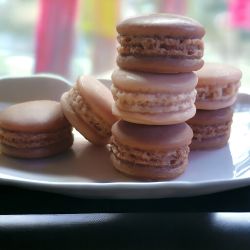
{"x": 98, "y": 97}
{"x": 154, "y": 83}
{"x": 218, "y": 74}
{"x": 31, "y": 153}
{"x": 147, "y": 172}
{"x": 33, "y": 116}
{"x": 152, "y": 137}
{"x": 211, "y": 117}
{"x": 161, "y": 24}
{"x": 159, "y": 64}
{"x": 155, "y": 119}
{"x": 81, "y": 126}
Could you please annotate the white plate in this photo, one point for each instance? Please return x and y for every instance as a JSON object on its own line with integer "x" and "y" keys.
{"x": 86, "y": 170}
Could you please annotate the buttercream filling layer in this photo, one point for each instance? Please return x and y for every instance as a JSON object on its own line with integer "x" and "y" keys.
{"x": 33, "y": 140}
{"x": 203, "y": 132}
{"x": 217, "y": 93}
{"x": 152, "y": 102}
{"x": 168, "y": 158}
{"x": 160, "y": 46}
{"x": 86, "y": 113}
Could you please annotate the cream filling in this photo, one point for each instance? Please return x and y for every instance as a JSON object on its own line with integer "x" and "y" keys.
{"x": 216, "y": 93}
{"x": 157, "y": 158}
{"x": 152, "y": 102}
{"x": 85, "y": 112}
{"x": 33, "y": 140}
{"x": 210, "y": 131}
{"x": 160, "y": 46}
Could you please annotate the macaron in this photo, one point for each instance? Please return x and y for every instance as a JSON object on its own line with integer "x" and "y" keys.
{"x": 88, "y": 107}
{"x": 217, "y": 86}
{"x": 211, "y": 128}
{"x": 160, "y": 43}
{"x": 153, "y": 99}
{"x": 150, "y": 152}
{"x": 34, "y": 129}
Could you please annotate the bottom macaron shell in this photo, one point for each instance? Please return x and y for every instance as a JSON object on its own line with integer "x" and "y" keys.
{"x": 159, "y": 64}
{"x": 42, "y": 152}
{"x": 211, "y": 143}
{"x": 81, "y": 126}
{"x": 155, "y": 119}
{"x": 141, "y": 172}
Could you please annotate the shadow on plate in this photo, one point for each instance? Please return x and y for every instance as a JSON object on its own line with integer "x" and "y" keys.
{"x": 83, "y": 163}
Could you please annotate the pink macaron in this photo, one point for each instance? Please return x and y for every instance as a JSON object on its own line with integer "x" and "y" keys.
{"x": 160, "y": 43}
{"x": 34, "y": 129}
{"x": 153, "y": 99}
{"x": 217, "y": 86}
{"x": 150, "y": 152}
{"x": 88, "y": 107}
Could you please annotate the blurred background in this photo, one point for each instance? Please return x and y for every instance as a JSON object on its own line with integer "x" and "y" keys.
{"x": 75, "y": 37}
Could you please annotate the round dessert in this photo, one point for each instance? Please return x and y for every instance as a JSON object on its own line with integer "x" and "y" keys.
{"x": 160, "y": 43}
{"x": 88, "y": 107}
{"x": 34, "y": 129}
{"x": 211, "y": 128}
{"x": 150, "y": 152}
{"x": 154, "y": 99}
{"x": 217, "y": 86}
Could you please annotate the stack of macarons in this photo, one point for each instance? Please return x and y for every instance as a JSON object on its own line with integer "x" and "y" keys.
{"x": 154, "y": 94}
{"x": 217, "y": 90}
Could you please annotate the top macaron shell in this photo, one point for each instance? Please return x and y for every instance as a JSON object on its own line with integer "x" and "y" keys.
{"x": 212, "y": 117}
{"x": 218, "y": 74}
{"x": 33, "y": 116}
{"x": 162, "y": 24}
{"x": 152, "y": 137}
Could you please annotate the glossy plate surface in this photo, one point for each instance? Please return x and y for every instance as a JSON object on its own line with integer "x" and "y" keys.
{"x": 86, "y": 170}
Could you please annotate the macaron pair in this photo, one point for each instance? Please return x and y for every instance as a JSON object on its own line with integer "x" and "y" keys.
{"x": 160, "y": 43}
{"x": 34, "y": 129}
{"x": 153, "y": 99}
{"x": 88, "y": 107}
{"x": 150, "y": 152}
{"x": 217, "y": 91}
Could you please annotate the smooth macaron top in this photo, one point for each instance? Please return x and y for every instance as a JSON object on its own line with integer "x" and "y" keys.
{"x": 152, "y": 137}
{"x": 211, "y": 117}
{"x": 152, "y": 83}
{"x": 218, "y": 74}
{"x": 33, "y": 116}
{"x": 162, "y": 24}
{"x": 97, "y": 96}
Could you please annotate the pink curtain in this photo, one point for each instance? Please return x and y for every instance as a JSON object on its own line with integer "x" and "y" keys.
{"x": 55, "y": 36}
{"x": 239, "y": 14}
